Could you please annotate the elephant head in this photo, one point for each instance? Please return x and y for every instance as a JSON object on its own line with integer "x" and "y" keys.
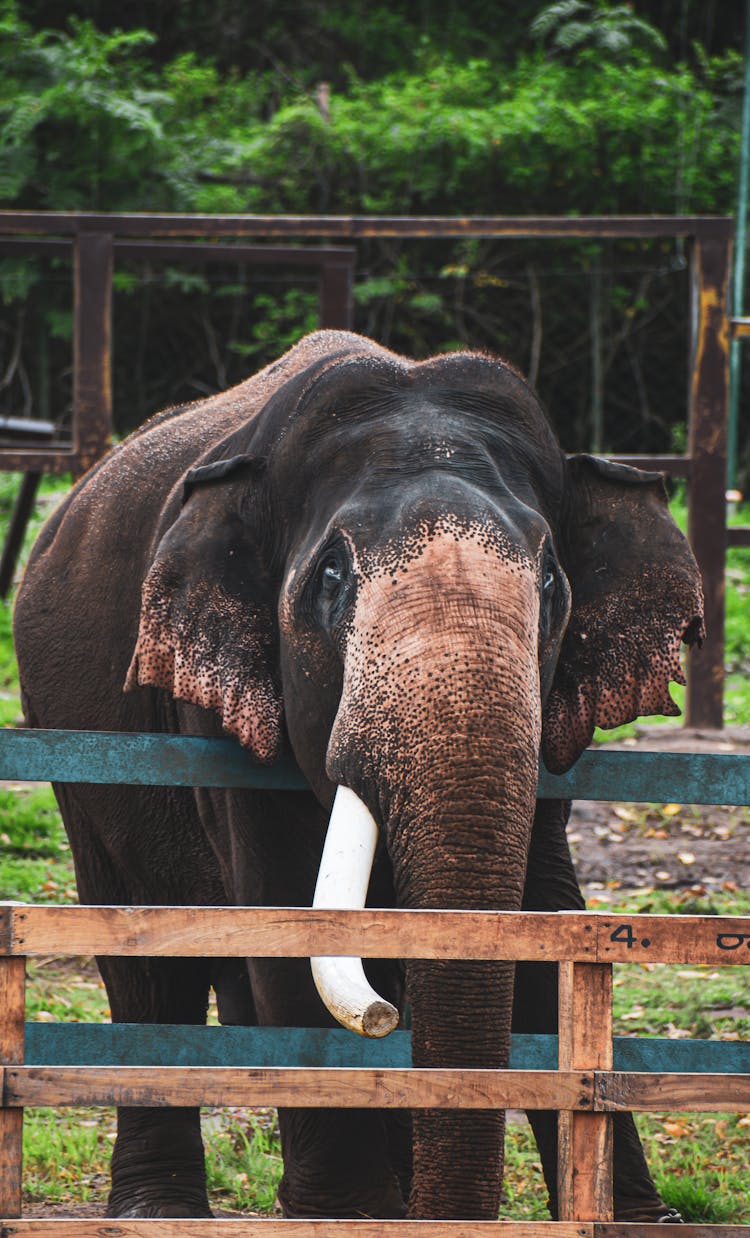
{"x": 393, "y": 565}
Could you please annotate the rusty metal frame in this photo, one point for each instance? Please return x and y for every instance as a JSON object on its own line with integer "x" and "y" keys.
{"x": 94, "y": 252}
{"x": 709, "y": 241}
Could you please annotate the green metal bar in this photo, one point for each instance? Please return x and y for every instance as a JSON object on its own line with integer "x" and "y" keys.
{"x": 652, "y": 777}
{"x": 192, "y": 761}
{"x": 138, "y": 759}
{"x": 738, "y": 278}
{"x": 142, "y": 1044}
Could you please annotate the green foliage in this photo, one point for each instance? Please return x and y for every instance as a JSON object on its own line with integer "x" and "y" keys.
{"x": 574, "y": 107}
{"x": 80, "y": 119}
{"x": 89, "y": 121}
{"x": 571, "y": 25}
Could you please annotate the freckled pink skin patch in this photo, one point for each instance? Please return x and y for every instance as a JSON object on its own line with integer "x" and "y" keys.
{"x": 620, "y": 656}
{"x": 210, "y": 650}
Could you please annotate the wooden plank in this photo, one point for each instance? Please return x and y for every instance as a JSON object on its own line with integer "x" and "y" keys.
{"x": 184, "y": 760}
{"x": 161, "y": 1086}
{"x": 711, "y": 940}
{"x": 584, "y": 1178}
{"x": 623, "y": 1229}
{"x": 12, "y": 1012}
{"x": 272, "y": 1227}
{"x": 264, "y": 932}
{"x": 652, "y": 1093}
{"x": 161, "y": 1044}
{"x": 297, "y": 932}
{"x": 585, "y": 1016}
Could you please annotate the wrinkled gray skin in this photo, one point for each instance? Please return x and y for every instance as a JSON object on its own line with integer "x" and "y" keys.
{"x": 391, "y": 568}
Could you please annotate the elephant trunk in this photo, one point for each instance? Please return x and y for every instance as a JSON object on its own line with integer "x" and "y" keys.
{"x": 438, "y": 732}
{"x": 461, "y": 1010}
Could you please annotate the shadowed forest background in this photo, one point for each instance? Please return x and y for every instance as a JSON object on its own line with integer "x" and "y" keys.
{"x": 356, "y": 107}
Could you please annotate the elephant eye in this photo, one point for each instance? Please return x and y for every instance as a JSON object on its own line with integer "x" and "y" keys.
{"x": 329, "y": 589}
{"x": 549, "y": 586}
{"x": 332, "y": 573}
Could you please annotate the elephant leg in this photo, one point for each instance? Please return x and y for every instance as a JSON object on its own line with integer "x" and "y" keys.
{"x": 551, "y": 885}
{"x": 158, "y": 1167}
{"x": 124, "y": 851}
{"x": 337, "y": 1162}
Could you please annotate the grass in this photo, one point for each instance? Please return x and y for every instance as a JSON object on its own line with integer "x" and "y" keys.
{"x": 699, "y": 1160}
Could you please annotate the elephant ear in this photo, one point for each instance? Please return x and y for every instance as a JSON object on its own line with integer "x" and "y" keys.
{"x": 636, "y": 594}
{"x": 207, "y": 631}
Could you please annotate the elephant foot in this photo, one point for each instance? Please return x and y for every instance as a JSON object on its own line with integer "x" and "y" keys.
{"x": 152, "y": 1208}
{"x": 391, "y": 1208}
{"x": 358, "y": 1207}
{"x": 348, "y": 1214}
{"x": 158, "y": 1167}
{"x": 647, "y": 1214}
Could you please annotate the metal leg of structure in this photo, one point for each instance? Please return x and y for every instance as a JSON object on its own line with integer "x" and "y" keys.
{"x": 708, "y": 451}
{"x": 22, "y": 509}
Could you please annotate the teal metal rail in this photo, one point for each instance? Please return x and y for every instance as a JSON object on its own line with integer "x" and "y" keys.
{"x": 179, "y": 760}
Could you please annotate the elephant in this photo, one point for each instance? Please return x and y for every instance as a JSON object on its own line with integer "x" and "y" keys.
{"x": 390, "y": 569}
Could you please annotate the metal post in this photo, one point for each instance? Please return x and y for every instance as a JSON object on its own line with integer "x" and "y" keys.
{"x": 738, "y": 279}
{"x": 709, "y": 381}
{"x": 92, "y": 385}
{"x": 336, "y": 294}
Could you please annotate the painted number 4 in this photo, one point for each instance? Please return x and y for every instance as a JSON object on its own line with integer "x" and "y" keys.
{"x": 624, "y": 932}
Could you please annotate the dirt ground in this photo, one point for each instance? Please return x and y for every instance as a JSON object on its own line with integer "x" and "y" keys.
{"x": 678, "y": 847}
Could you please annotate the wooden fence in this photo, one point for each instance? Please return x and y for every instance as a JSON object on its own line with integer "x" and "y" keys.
{"x": 584, "y": 1073}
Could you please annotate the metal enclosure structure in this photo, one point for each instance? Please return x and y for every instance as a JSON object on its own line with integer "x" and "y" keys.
{"x": 96, "y": 238}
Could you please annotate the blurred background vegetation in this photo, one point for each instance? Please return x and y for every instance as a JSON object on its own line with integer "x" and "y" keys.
{"x": 355, "y": 106}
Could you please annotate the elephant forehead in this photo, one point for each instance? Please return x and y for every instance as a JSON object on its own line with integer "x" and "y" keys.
{"x": 446, "y": 578}
{"x": 443, "y": 539}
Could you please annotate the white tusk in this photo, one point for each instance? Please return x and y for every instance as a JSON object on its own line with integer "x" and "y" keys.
{"x": 343, "y": 878}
